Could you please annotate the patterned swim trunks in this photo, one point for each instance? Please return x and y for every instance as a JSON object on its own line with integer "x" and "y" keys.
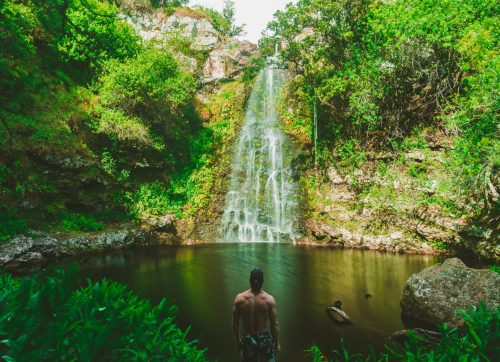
{"x": 257, "y": 347}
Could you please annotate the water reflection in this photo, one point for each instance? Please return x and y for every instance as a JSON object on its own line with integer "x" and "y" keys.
{"x": 203, "y": 281}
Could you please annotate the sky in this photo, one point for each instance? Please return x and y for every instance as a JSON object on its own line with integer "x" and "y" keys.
{"x": 254, "y": 13}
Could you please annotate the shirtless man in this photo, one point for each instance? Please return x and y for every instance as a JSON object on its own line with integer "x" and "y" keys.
{"x": 255, "y": 307}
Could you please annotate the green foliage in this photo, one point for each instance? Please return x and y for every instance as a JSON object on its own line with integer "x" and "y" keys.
{"x": 154, "y": 199}
{"x": 51, "y": 50}
{"x": 382, "y": 69}
{"x": 168, "y": 3}
{"x": 79, "y": 222}
{"x": 92, "y": 118}
{"x": 188, "y": 189}
{"x": 253, "y": 68}
{"x": 10, "y": 223}
{"x": 224, "y": 22}
{"x": 145, "y": 111}
{"x": 50, "y": 317}
{"x": 142, "y": 84}
{"x": 416, "y": 170}
{"x": 477, "y": 340}
{"x": 96, "y": 34}
{"x": 350, "y": 155}
{"x": 143, "y": 101}
{"x": 17, "y": 22}
{"x": 495, "y": 268}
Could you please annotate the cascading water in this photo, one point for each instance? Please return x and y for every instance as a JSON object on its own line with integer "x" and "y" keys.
{"x": 262, "y": 196}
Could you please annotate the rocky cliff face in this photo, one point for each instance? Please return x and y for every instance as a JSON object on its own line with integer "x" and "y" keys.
{"x": 159, "y": 26}
{"x": 226, "y": 57}
{"x": 400, "y": 201}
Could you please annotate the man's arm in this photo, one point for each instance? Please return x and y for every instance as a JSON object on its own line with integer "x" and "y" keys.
{"x": 275, "y": 328}
{"x": 236, "y": 322}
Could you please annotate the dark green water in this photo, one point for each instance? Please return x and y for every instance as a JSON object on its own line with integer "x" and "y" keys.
{"x": 203, "y": 280}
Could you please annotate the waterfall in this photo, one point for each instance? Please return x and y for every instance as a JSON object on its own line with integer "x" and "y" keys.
{"x": 262, "y": 196}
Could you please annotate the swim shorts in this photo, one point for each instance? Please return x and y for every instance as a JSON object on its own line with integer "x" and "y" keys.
{"x": 257, "y": 347}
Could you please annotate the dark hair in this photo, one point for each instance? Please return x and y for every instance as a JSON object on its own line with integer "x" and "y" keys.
{"x": 256, "y": 279}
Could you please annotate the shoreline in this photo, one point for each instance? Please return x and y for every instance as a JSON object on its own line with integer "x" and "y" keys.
{"x": 30, "y": 251}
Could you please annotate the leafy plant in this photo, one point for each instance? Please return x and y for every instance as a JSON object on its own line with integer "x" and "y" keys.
{"x": 495, "y": 268}
{"x": 80, "y": 222}
{"x": 224, "y": 21}
{"x": 96, "y": 34}
{"x": 10, "y": 223}
{"x": 477, "y": 340}
{"x": 51, "y": 316}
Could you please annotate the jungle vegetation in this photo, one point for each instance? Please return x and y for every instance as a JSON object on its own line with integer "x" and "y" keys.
{"x": 383, "y": 73}
{"x": 98, "y": 126}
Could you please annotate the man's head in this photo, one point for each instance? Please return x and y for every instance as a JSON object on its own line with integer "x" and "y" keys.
{"x": 256, "y": 279}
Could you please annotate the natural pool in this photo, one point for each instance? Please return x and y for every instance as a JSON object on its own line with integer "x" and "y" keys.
{"x": 203, "y": 280}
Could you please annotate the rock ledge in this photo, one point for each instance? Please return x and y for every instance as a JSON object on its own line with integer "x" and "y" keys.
{"x": 37, "y": 247}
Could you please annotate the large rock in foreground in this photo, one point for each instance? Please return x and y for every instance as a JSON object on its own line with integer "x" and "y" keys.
{"x": 433, "y": 295}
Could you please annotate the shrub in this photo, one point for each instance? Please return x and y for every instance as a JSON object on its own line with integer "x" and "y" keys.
{"x": 96, "y": 34}
{"x": 80, "y": 222}
{"x": 10, "y": 223}
{"x": 144, "y": 101}
{"x": 224, "y": 22}
{"x": 153, "y": 199}
{"x": 495, "y": 268}
{"x": 49, "y": 317}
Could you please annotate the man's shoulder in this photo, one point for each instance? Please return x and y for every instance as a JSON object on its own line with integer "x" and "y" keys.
{"x": 240, "y": 296}
{"x": 269, "y": 298}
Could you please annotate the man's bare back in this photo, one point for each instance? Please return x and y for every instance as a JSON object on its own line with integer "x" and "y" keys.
{"x": 254, "y": 310}
{"x": 255, "y": 307}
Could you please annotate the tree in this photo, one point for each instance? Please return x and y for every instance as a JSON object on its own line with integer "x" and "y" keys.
{"x": 228, "y": 13}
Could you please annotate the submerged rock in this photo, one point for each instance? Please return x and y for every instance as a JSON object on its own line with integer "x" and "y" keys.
{"x": 433, "y": 295}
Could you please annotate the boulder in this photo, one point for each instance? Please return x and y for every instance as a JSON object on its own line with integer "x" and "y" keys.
{"x": 323, "y": 232}
{"x": 150, "y": 25}
{"x": 334, "y": 177}
{"x": 415, "y": 155}
{"x": 199, "y": 29}
{"x": 434, "y": 294}
{"x": 186, "y": 63}
{"x": 228, "y": 59}
{"x": 29, "y": 249}
{"x": 165, "y": 223}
